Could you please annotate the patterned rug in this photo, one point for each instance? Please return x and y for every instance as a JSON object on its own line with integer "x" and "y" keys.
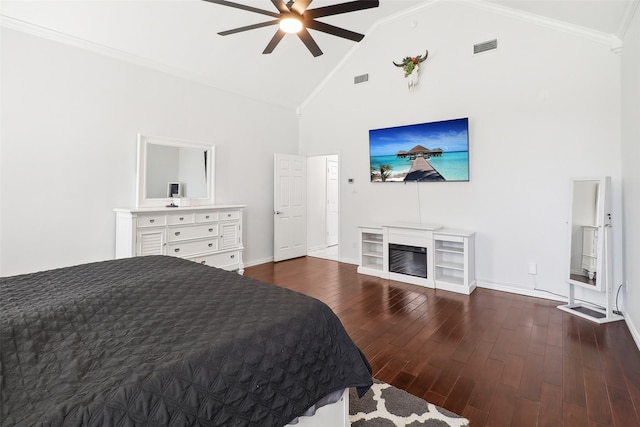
{"x": 387, "y": 406}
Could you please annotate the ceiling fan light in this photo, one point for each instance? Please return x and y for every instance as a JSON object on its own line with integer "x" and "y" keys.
{"x": 290, "y": 25}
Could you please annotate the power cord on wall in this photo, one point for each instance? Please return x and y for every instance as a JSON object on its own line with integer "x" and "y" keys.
{"x": 617, "y": 310}
{"x": 565, "y": 297}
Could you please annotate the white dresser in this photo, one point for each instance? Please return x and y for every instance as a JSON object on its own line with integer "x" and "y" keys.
{"x": 210, "y": 235}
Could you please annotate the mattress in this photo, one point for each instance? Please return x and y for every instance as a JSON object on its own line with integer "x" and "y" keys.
{"x": 162, "y": 341}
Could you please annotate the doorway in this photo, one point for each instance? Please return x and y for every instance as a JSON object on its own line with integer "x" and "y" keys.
{"x": 323, "y": 202}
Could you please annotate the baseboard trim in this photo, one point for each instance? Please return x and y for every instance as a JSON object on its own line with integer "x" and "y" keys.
{"x": 520, "y": 291}
{"x": 634, "y": 331}
{"x": 270, "y": 259}
{"x": 316, "y": 248}
{"x": 258, "y": 262}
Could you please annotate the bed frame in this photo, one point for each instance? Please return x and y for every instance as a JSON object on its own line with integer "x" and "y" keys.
{"x": 334, "y": 415}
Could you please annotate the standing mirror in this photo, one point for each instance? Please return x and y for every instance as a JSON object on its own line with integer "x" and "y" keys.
{"x": 169, "y": 168}
{"x": 589, "y": 248}
{"x": 589, "y": 215}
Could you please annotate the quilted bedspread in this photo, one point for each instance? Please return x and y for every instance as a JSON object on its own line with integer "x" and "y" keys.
{"x": 161, "y": 341}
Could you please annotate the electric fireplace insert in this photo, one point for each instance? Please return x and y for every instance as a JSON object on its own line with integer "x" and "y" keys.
{"x": 409, "y": 260}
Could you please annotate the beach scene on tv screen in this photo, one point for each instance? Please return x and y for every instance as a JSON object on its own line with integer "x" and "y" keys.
{"x": 436, "y": 151}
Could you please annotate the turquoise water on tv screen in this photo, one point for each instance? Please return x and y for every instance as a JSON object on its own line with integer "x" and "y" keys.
{"x": 452, "y": 166}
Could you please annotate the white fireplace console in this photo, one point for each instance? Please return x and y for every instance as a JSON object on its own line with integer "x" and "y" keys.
{"x": 385, "y": 251}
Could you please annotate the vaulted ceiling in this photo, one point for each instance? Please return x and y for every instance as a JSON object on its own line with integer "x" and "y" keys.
{"x": 180, "y": 36}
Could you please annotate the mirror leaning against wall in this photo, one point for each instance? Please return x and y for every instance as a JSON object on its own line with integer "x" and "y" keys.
{"x": 171, "y": 168}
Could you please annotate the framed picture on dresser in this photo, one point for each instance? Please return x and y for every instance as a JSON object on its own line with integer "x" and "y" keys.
{"x": 174, "y": 189}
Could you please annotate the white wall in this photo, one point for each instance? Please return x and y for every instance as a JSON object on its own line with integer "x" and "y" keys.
{"x": 543, "y": 108}
{"x": 631, "y": 172}
{"x": 68, "y": 149}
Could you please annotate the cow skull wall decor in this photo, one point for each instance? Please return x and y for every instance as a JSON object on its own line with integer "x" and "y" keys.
{"x": 411, "y": 67}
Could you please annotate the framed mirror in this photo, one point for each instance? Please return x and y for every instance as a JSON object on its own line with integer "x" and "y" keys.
{"x": 589, "y": 216}
{"x": 169, "y": 168}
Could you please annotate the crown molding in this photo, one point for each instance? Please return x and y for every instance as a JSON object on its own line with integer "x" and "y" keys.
{"x": 577, "y": 30}
{"x": 49, "y": 34}
{"x": 629, "y": 13}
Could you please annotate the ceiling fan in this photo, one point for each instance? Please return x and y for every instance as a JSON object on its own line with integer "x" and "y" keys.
{"x": 294, "y": 17}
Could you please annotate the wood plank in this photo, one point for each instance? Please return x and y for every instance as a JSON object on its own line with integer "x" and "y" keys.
{"x": 551, "y": 412}
{"x": 531, "y": 379}
{"x": 622, "y": 409}
{"x": 525, "y": 413}
{"x": 512, "y": 372}
{"x": 574, "y": 382}
{"x": 503, "y": 407}
{"x": 598, "y": 406}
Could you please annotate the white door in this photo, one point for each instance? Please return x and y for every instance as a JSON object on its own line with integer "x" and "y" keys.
{"x": 289, "y": 207}
{"x": 332, "y": 203}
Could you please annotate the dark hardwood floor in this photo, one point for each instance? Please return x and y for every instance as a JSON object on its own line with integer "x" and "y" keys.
{"x": 498, "y": 359}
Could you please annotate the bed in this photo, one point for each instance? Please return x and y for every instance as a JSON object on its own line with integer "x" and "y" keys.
{"x": 162, "y": 341}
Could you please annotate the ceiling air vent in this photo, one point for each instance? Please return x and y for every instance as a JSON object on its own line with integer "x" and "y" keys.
{"x": 483, "y": 47}
{"x": 361, "y": 79}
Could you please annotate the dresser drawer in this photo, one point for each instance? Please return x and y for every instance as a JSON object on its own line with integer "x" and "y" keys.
{"x": 185, "y": 249}
{"x": 183, "y": 218}
{"x": 206, "y": 217}
{"x": 175, "y": 234}
{"x": 151, "y": 220}
{"x": 229, "y": 215}
{"x": 226, "y": 260}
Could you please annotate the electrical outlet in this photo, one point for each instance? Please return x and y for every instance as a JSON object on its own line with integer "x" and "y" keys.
{"x": 533, "y": 268}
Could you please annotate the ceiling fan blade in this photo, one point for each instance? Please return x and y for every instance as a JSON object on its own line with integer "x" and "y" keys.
{"x": 280, "y": 5}
{"x": 249, "y": 27}
{"x": 337, "y": 9}
{"x": 300, "y": 6}
{"x": 245, "y": 7}
{"x": 334, "y": 31}
{"x": 274, "y": 41}
{"x": 309, "y": 42}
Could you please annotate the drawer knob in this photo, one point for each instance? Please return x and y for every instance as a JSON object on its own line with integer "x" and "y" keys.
{"x": 177, "y": 233}
{"x": 207, "y": 216}
{"x": 176, "y": 250}
{"x": 210, "y": 245}
{"x": 181, "y": 218}
{"x": 233, "y": 256}
{"x": 229, "y": 215}
{"x": 152, "y": 221}
{"x": 211, "y": 230}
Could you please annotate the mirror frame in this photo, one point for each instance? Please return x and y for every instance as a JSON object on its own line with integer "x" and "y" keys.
{"x": 604, "y": 221}
{"x": 142, "y": 201}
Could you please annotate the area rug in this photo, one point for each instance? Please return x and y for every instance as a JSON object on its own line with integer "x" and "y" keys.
{"x": 387, "y": 406}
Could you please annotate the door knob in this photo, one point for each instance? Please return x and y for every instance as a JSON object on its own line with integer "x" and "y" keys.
{"x": 278, "y": 212}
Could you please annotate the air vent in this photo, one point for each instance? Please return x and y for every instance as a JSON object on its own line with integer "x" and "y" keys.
{"x": 483, "y": 47}
{"x": 361, "y": 79}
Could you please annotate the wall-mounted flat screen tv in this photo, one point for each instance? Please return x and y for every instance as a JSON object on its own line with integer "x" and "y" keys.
{"x": 436, "y": 151}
